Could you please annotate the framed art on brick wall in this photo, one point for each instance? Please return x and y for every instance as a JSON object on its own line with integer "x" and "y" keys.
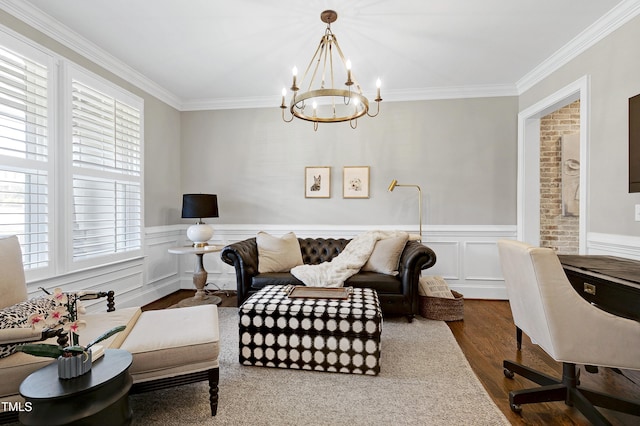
{"x": 355, "y": 182}
{"x": 317, "y": 182}
{"x": 570, "y": 175}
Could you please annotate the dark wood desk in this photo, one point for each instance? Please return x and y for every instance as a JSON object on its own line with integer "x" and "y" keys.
{"x": 609, "y": 282}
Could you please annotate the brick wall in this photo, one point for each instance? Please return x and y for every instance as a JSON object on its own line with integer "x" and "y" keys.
{"x": 556, "y": 231}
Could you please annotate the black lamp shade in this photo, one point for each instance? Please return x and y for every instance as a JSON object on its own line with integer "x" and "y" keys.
{"x": 199, "y": 205}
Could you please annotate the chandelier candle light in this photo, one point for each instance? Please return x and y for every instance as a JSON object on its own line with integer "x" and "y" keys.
{"x": 328, "y": 103}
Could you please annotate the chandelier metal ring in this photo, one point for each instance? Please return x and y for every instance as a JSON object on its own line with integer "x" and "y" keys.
{"x": 330, "y": 104}
{"x": 341, "y": 93}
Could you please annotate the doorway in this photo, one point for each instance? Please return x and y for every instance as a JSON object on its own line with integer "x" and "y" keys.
{"x": 528, "y": 198}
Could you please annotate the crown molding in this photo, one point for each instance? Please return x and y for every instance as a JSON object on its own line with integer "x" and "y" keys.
{"x": 44, "y": 23}
{"x": 452, "y": 92}
{"x": 31, "y": 15}
{"x": 231, "y": 103}
{"x": 460, "y": 92}
{"x": 607, "y": 24}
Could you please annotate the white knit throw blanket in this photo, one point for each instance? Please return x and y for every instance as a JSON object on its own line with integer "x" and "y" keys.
{"x": 344, "y": 265}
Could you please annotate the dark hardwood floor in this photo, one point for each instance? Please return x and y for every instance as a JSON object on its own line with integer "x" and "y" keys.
{"x": 228, "y": 299}
{"x": 487, "y": 337}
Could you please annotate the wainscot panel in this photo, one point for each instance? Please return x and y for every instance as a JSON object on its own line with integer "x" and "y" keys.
{"x": 626, "y": 246}
{"x": 467, "y": 259}
{"x": 467, "y": 255}
{"x": 124, "y": 278}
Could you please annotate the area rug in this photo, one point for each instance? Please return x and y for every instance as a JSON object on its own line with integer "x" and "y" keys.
{"x": 424, "y": 380}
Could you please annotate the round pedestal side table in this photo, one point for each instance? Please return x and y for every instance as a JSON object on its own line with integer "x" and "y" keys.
{"x": 99, "y": 397}
{"x": 199, "y": 275}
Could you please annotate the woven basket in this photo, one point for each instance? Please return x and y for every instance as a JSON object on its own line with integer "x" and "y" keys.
{"x": 441, "y": 308}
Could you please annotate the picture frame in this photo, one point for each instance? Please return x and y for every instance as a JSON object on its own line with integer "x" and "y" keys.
{"x": 317, "y": 182}
{"x": 570, "y": 175}
{"x": 355, "y": 182}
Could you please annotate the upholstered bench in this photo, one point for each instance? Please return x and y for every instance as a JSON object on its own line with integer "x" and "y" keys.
{"x": 175, "y": 346}
{"x": 311, "y": 333}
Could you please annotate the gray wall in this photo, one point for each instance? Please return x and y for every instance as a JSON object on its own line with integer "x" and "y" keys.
{"x": 161, "y": 127}
{"x": 612, "y": 65}
{"x": 461, "y": 152}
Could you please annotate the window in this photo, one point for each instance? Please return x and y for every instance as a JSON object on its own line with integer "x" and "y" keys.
{"x": 25, "y": 169}
{"x": 72, "y": 175}
{"x": 106, "y": 164}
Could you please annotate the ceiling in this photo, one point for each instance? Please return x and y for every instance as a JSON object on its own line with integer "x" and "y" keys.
{"x": 208, "y": 53}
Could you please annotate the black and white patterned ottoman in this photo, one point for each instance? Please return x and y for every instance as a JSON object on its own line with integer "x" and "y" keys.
{"x": 311, "y": 334}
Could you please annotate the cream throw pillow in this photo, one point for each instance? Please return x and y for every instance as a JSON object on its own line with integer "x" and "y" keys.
{"x": 434, "y": 286}
{"x": 278, "y": 254}
{"x": 386, "y": 255}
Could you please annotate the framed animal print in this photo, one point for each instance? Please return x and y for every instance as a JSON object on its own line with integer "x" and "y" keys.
{"x": 317, "y": 182}
{"x": 355, "y": 182}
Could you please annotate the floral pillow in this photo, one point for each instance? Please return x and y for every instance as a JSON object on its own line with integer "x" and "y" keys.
{"x": 16, "y": 316}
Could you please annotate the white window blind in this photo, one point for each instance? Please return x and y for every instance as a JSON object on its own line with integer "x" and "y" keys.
{"x": 107, "y": 172}
{"x": 25, "y": 172}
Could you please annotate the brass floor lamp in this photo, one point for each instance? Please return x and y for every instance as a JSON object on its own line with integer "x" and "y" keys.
{"x": 395, "y": 183}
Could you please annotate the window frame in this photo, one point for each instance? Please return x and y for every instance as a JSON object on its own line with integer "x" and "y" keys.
{"x": 59, "y": 165}
{"x": 69, "y": 72}
{"x": 36, "y": 53}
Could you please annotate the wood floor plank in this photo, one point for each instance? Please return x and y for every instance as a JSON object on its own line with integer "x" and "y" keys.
{"x": 487, "y": 336}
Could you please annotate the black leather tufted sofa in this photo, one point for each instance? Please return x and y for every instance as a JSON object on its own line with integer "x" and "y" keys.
{"x": 398, "y": 294}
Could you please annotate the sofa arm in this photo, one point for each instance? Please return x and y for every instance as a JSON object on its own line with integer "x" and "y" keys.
{"x": 416, "y": 256}
{"x": 243, "y": 256}
{"x": 413, "y": 260}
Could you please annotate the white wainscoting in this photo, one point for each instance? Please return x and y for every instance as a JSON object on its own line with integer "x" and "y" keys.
{"x": 613, "y": 245}
{"x": 467, "y": 259}
{"x": 124, "y": 278}
{"x": 135, "y": 282}
{"x": 467, "y": 255}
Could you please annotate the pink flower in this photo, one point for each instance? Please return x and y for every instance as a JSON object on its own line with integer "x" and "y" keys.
{"x": 57, "y": 316}
{"x": 59, "y": 296}
{"x": 36, "y": 320}
{"x": 75, "y": 326}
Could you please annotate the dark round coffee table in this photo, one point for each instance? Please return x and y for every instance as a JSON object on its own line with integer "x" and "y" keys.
{"x": 98, "y": 397}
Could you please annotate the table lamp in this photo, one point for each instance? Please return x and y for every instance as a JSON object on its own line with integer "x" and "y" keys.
{"x": 199, "y": 206}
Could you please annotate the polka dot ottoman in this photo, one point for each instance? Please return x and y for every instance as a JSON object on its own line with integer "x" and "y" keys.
{"x": 334, "y": 335}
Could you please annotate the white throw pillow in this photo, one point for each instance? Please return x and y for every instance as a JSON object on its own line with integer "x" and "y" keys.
{"x": 386, "y": 255}
{"x": 278, "y": 254}
{"x": 434, "y": 286}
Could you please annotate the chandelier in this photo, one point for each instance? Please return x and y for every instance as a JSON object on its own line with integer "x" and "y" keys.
{"x": 320, "y": 101}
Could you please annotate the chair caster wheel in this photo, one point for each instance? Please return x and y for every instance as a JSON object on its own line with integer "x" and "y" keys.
{"x": 508, "y": 373}
{"x": 516, "y": 408}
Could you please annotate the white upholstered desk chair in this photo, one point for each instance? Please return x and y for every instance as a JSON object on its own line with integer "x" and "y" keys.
{"x": 572, "y": 331}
